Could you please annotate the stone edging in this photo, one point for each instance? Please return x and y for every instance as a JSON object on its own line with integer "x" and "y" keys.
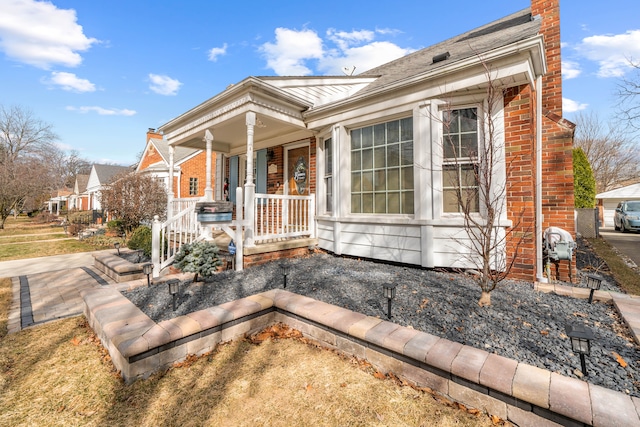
{"x": 520, "y": 393}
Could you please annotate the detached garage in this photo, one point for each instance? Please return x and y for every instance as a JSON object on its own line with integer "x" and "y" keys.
{"x": 608, "y": 201}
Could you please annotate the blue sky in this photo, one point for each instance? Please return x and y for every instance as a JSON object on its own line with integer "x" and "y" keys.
{"x": 103, "y": 72}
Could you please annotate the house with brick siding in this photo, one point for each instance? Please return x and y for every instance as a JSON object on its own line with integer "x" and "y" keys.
{"x": 363, "y": 156}
{"x": 189, "y": 166}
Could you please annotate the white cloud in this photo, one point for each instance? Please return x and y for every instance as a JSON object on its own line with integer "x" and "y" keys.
{"x": 70, "y": 82}
{"x": 164, "y": 85}
{"x": 612, "y": 52}
{"x": 103, "y": 111}
{"x": 215, "y": 52}
{"x": 40, "y": 34}
{"x": 571, "y": 106}
{"x": 287, "y": 56}
{"x": 570, "y": 69}
{"x": 294, "y": 52}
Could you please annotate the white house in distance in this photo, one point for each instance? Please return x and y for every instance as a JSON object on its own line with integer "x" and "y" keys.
{"x": 363, "y": 155}
{"x": 608, "y": 201}
{"x": 100, "y": 176}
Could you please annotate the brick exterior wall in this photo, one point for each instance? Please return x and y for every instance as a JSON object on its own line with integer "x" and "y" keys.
{"x": 195, "y": 167}
{"x": 557, "y": 145}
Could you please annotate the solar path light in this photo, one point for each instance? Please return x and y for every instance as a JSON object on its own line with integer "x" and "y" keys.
{"x": 117, "y": 246}
{"x": 173, "y": 290}
{"x": 389, "y": 293}
{"x": 581, "y": 337}
{"x": 147, "y": 268}
{"x": 593, "y": 282}
{"x": 284, "y": 269}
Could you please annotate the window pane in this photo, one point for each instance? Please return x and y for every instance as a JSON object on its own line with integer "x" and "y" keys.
{"x": 328, "y": 157}
{"x": 468, "y": 119}
{"x": 407, "y": 153}
{"x": 356, "y": 185}
{"x": 471, "y": 199}
{"x": 407, "y": 178}
{"x": 379, "y": 134}
{"x": 406, "y": 129}
{"x": 449, "y": 201}
{"x": 367, "y": 203}
{"x": 380, "y": 180}
{"x": 367, "y": 181}
{"x": 328, "y": 185}
{"x": 449, "y": 176}
{"x": 393, "y": 132}
{"x": 367, "y": 159}
{"x": 450, "y": 146}
{"x": 450, "y": 121}
{"x": 356, "y": 158}
{"x": 355, "y": 139}
{"x": 393, "y": 179}
{"x": 468, "y": 145}
{"x": 407, "y": 202}
{"x": 468, "y": 176}
{"x": 367, "y": 137}
{"x": 380, "y": 157}
{"x": 381, "y": 202}
{"x": 356, "y": 206}
{"x": 393, "y": 155}
{"x": 393, "y": 202}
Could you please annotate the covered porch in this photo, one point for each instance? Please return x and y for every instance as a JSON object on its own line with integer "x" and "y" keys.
{"x": 264, "y": 165}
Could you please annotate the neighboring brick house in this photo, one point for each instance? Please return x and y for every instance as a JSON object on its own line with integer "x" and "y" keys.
{"x": 189, "y": 172}
{"x": 370, "y": 146}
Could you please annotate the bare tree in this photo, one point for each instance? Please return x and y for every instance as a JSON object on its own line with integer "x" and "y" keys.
{"x": 474, "y": 184}
{"x": 629, "y": 94}
{"x": 134, "y": 198}
{"x": 614, "y": 158}
{"x": 26, "y": 143}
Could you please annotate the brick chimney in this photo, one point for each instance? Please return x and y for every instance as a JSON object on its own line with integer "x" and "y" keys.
{"x": 151, "y": 133}
{"x": 549, "y": 12}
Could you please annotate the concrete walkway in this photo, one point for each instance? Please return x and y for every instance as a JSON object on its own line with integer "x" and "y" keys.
{"x": 48, "y": 288}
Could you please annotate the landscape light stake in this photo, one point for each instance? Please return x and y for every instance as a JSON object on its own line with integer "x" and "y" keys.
{"x": 117, "y": 246}
{"x": 284, "y": 269}
{"x": 147, "y": 269}
{"x": 173, "y": 290}
{"x": 593, "y": 282}
{"x": 389, "y": 293}
{"x": 581, "y": 337}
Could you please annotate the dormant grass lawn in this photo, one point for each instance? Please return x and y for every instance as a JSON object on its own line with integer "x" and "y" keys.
{"x": 58, "y": 374}
{"x": 626, "y": 277}
{"x": 22, "y": 238}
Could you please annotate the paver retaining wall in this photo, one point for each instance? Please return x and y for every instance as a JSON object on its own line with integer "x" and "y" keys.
{"x": 523, "y": 394}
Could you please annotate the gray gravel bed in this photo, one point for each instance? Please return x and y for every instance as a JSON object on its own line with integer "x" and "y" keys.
{"x": 521, "y": 324}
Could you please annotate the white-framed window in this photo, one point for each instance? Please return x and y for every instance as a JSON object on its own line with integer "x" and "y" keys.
{"x": 193, "y": 186}
{"x": 460, "y": 160}
{"x": 382, "y": 168}
{"x": 328, "y": 174}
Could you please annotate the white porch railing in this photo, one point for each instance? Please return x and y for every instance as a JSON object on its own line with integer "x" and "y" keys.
{"x": 274, "y": 217}
{"x": 168, "y": 236}
{"x": 179, "y": 205}
{"x": 279, "y": 216}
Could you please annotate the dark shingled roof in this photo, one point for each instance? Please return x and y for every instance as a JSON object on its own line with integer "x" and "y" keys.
{"x": 510, "y": 29}
{"x": 106, "y": 173}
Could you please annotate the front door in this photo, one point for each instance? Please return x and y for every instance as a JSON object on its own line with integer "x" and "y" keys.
{"x": 298, "y": 184}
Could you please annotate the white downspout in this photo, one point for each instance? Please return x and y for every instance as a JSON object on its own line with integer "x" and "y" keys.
{"x": 539, "y": 216}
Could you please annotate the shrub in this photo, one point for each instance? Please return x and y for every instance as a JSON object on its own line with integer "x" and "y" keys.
{"x": 80, "y": 217}
{"x": 141, "y": 239}
{"x": 116, "y": 227}
{"x": 45, "y": 217}
{"x": 200, "y": 258}
{"x": 584, "y": 183}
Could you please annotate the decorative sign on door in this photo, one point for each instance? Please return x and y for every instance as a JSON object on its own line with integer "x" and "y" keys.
{"x": 298, "y": 161}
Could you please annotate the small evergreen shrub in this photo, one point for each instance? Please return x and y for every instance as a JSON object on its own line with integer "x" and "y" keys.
{"x": 200, "y": 258}
{"x": 141, "y": 240}
{"x": 584, "y": 183}
{"x": 116, "y": 227}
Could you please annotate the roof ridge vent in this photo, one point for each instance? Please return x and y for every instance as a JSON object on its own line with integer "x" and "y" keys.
{"x": 441, "y": 57}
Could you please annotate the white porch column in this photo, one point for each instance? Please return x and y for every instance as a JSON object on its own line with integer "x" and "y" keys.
{"x": 208, "y": 190}
{"x": 249, "y": 186}
{"x": 170, "y": 183}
